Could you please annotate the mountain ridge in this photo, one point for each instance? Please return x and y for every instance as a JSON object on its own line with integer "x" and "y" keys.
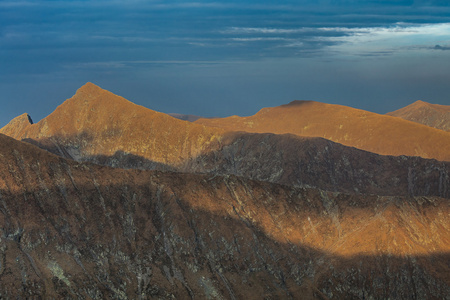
{"x": 433, "y": 115}
{"x": 99, "y": 127}
{"x": 352, "y": 127}
{"x": 82, "y": 230}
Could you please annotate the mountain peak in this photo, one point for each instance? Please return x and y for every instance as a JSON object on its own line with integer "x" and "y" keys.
{"x": 297, "y": 103}
{"x": 432, "y": 115}
{"x": 420, "y": 103}
{"x": 16, "y": 126}
{"x": 89, "y": 89}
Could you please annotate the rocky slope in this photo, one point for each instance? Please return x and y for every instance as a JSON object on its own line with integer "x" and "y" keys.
{"x": 361, "y": 129}
{"x": 100, "y": 127}
{"x": 320, "y": 163}
{"x": 83, "y": 231}
{"x": 433, "y": 115}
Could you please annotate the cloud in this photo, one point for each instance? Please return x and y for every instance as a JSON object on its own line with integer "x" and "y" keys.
{"x": 439, "y": 47}
{"x": 358, "y": 41}
{"x": 254, "y": 30}
{"x": 391, "y": 39}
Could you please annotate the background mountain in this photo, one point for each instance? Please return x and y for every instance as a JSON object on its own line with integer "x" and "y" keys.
{"x": 190, "y": 118}
{"x": 95, "y": 122}
{"x": 361, "y": 129}
{"x": 433, "y": 115}
{"x": 100, "y": 127}
{"x": 85, "y": 231}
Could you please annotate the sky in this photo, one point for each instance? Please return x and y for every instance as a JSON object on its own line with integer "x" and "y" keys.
{"x": 220, "y": 58}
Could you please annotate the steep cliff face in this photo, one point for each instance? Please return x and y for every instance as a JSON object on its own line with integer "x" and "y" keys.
{"x": 361, "y": 129}
{"x": 433, "y": 115}
{"x": 85, "y": 231}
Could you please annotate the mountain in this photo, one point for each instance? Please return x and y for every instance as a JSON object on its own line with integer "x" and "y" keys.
{"x": 317, "y": 162}
{"x": 97, "y": 123}
{"x": 17, "y": 126}
{"x": 364, "y": 130}
{"x": 190, "y": 118}
{"x": 79, "y": 230}
{"x": 433, "y": 115}
{"x": 100, "y": 127}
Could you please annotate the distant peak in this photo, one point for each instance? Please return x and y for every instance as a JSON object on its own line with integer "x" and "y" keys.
{"x": 24, "y": 118}
{"x": 420, "y": 102}
{"x": 17, "y": 125}
{"x": 297, "y": 103}
{"x": 90, "y": 87}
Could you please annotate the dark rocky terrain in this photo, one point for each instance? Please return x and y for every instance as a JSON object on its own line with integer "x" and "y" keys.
{"x": 84, "y": 231}
{"x": 433, "y": 115}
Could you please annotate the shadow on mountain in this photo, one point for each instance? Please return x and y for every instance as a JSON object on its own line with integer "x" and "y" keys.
{"x": 285, "y": 159}
{"x": 74, "y": 231}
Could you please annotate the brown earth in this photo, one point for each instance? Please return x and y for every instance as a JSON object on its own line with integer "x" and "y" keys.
{"x": 72, "y": 230}
{"x": 433, "y": 115}
{"x": 361, "y": 129}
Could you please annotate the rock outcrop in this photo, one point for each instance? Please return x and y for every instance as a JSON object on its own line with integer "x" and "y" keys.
{"x": 72, "y": 230}
{"x": 433, "y": 115}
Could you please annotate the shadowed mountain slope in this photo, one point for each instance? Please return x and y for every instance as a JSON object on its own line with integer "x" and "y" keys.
{"x": 433, "y": 115}
{"x": 85, "y": 231}
{"x": 320, "y": 163}
{"x": 100, "y": 127}
{"x": 364, "y": 130}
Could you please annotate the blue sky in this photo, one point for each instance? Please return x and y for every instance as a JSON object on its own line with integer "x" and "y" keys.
{"x": 217, "y": 58}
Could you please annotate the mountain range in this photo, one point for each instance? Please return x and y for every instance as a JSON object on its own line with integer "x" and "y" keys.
{"x": 107, "y": 199}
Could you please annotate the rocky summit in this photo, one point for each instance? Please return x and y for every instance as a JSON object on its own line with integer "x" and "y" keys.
{"x": 105, "y": 199}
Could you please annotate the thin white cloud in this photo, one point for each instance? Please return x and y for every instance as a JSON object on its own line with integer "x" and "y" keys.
{"x": 352, "y": 40}
{"x": 125, "y": 64}
{"x": 259, "y": 39}
{"x": 263, "y": 30}
{"x": 385, "y": 39}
